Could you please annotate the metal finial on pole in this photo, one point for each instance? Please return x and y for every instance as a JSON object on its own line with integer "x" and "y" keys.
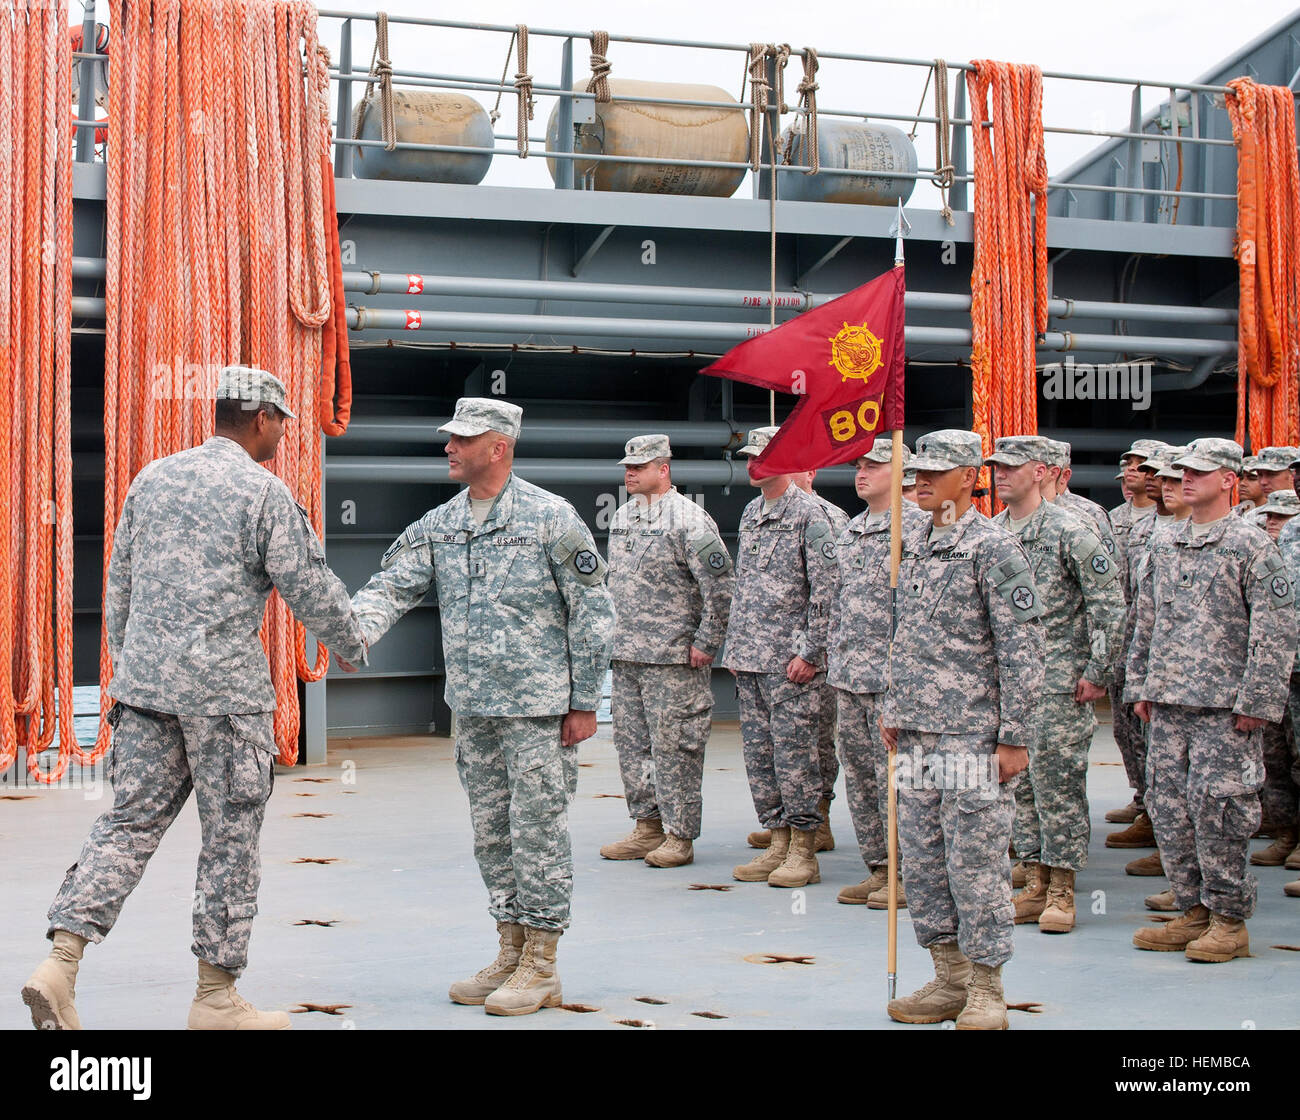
{"x": 900, "y": 229}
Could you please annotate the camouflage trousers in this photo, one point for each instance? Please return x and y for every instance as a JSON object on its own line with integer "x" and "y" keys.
{"x": 866, "y": 772}
{"x": 954, "y": 843}
{"x": 827, "y": 762}
{"x": 520, "y": 781}
{"x": 1052, "y": 824}
{"x": 778, "y": 726}
{"x": 1281, "y": 766}
{"x": 1203, "y": 782}
{"x": 1131, "y": 738}
{"x": 661, "y": 726}
{"x": 156, "y": 760}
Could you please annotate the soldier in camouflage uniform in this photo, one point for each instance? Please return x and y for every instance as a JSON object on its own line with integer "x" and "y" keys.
{"x": 776, "y": 646}
{"x": 1212, "y": 652}
{"x": 1273, "y": 469}
{"x": 858, "y": 663}
{"x": 671, "y": 579}
{"x": 1061, "y": 454}
{"x": 909, "y": 486}
{"x": 1288, "y": 542}
{"x": 1082, "y": 613}
{"x": 1278, "y": 800}
{"x": 527, "y": 623}
{"x": 1248, "y": 488}
{"x": 966, "y": 668}
{"x": 204, "y": 536}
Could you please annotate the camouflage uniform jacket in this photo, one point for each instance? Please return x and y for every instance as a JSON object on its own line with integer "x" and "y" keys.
{"x": 863, "y": 611}
{"x": 1079, "y": 591}
{"x": 671, "y": 578}
{"x": 1100, "y": 519}
{"x": 527, "y": 620}
{"x": 967, "y": 655}
{"x": 1288, "y": 543}
{"x": 203, "y": 537}
{"x": 785, "y": 584}
{"x": 1216, "y": 625}
{"x": 836, "y": 516}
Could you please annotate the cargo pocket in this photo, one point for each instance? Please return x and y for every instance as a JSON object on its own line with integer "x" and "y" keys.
{"x": 1232, "y": 810}
{"x": 538, "y": 788}
{"x": 239, "y": 927}
{"x": 250, "y": 771}
{"x": 981, "y": 820}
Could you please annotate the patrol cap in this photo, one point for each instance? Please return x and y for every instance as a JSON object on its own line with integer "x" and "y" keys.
{"x": 1211, "y": 454}
{"x": 476, "y": 415}
{"x": 1286, "y": 503}
{"x": 1159, "y": 460}
{"x": 882, "y": 451}
{"x": 644, "y": 449}
{"x": 759, "y": 438}
{"x": 1142, "y": 448}
{"x": 948, "y": 449}
{"x": 909, "y": 476}
{"x": 1276, "y": 458}
{"x": 1015, "y": 451}
{"x": 248, "y": 383}
{"x": 1249, "y": 463}
{"x": 1168, "y": 470}
{"x": 1058, "y": 452}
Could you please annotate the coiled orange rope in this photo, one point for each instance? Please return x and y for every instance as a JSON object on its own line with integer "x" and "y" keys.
{"x": 222, "y": 247}
{"x": 1009, "y": 275}
{"x": 1268, "y": 221}
{"x": 35, "y": 353}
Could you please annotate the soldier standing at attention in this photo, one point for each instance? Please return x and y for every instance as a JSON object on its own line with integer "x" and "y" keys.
{"x": 965, "y": 671}
{"x": 527, "y": 623}
{"x": 1273, "y": 469}
{"x": 1061, "y": 453}
{"x": 1211, "y": 657}
{"x": 671, "y": 579}
{"x": 204, "y": 536}
{"x": 909, "y": 486}
{"x": 858, "y": 663}
{"x": 1083, "y": 612}
{"x": 1248, "y": 487}
{"x": 1288, "y": 542}
{"x": 776, "y": 647}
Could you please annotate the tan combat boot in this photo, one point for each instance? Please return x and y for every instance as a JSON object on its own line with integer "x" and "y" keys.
{"x": 1276, "y": 854}
{"x": 1126, "y": 815}
{"x": 639, "y": 843}
{"x": 986, "y": 1007}
{"x": 1293, "y": 860}
{"x": 1032, "y": 900}
{"x": 860, "y": 893}
{"x": 1175, "y": 936}
{"x": 477, "y": 988}
{"x": 1292, "y": 890}
{"x": 1058, "y": 914}
{"x": 50, "y": 992}
{"x": 825, "y": 840}
{"x": 943, "y": 997}
{"x": 879, "y": 899}
{"x": 1225, "y": 939}
{"x": 1019, "y": 873}
{"x": 799, "y": 868}
{"x": 1139, "y": 834}
{"x": 1163, "y": 901}
{"x": 1145, "y": 865}
{"x": 218, "y": 1007}
{"x": 675, "y": 851}
{"x": 535, "y": 983}
{"x": 760, "y": 867}
{"x": 760, "y": 839}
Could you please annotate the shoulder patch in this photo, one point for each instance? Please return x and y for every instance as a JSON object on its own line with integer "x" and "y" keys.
{"x": 412, "y": 537}
{"x": 710, "y": 549}
{"x": 1271, "y": 572}
{"x": 1015, "y": 583}
{"x": 577, "y": 552}
{"x": 820, "y": 541}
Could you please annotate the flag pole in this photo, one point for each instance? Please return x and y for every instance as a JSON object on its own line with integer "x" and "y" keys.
{"x": 895, "y": 561}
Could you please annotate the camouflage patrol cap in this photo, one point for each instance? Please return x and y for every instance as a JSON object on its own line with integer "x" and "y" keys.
{"x": 248, "y": 383}
{"x": 759, "y": 438}
{"x": 882, "y": 451}
{"x": 909, "y": 476}
{"x": 1142, "y": 448}
{"x": 1285, "y": 503}
{"x": 1058, "y": 452}
{"x": 1249, "y": 463}
{"x": 1168, "y": 470}
{"x": 948, "y": 449}
{"x": 476, "y": 415}
{"x": 1159, "y": 460}
{"x": 1211, "y": 454}
{"x": 1015, "y": 451}
{"x": 645, "y": 449}
{"x": 1276, "y": 458}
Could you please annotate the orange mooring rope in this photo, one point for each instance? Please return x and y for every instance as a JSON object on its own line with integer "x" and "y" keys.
{"x": 1009, "y": 277}
{"x": 222, "y": 248}
{"x": 1268, "y": 221}
{"x": 35, "y": 353}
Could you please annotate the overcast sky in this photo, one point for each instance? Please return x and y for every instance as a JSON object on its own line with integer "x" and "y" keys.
{"x": 1131, "y": 38}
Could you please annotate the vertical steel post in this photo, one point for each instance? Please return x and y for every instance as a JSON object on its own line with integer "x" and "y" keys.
{"x": 957, "y": 195}
{"x": 86, "y": 102}
{"x": 1133, "y": 172}
{"x": 343, "y": 153}
{"x": 564, "y": 167}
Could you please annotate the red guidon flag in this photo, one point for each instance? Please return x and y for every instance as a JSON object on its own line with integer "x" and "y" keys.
{"x": 844, "y": 360}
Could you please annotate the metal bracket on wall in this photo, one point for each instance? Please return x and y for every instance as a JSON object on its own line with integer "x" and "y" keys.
{"x": 581, "y": 262}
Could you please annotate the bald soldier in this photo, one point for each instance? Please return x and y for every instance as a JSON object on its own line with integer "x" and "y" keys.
{"x": 858, "y": 663}
{"x": 776, "y": 647}
{"x": 965, "y": 672}
{"x": 527, "y": 623}
{"x": 1082, "y": 615}
{"x": 203, "y": 538}
{"x": 1210, "y": 663}
{"x": 671, "y": 579}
